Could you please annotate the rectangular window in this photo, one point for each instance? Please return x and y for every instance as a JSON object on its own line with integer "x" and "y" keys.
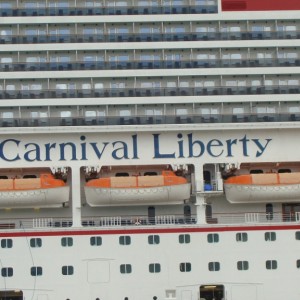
{"x": 35, "y": 243}
{"x": 242, "y": 237}
{"x": 36, "y": 271}
{"x": 298, "y": 263}
{"x": 212, "y": 238}
{"x": 153, "y": 239}
{"x": 214, "y": 266}
{"x": 67, "y": 242}
{"x": 96, "y": 240}
{"x": 125, "y": 240}
{"x": 184, "y": 238}
{"x": 154, "y": 268}
{"x": 125, "y": 269}
{"x": 242, "y": 265}
{"x": 7, "y": 272}
{"x": 270, "y": 236}
{"x": 6, "y": 243}
{"x": 185, "y": 267}
{"x": 297, "y": 235}
{"x": 67, "y": 270}
{"x": 271, "y": 264}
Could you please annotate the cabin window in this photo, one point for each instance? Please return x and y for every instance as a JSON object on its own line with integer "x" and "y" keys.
{"x": 6, "y": 243}
{"x": 125, "y": 240}
{"x": 184, "y": 238}
{"x": 242, "y": 237}
{"x": 269, "y": 211}
{"x": 3, "y": 177}
{"x": 242, "y": 265}
{"x": 214, "y": 266}
{"x": 123, "y": 174}
{"x": 298, "y": 263}
{"x": 154, "y": 268}
{"x": 185, "y": 267}
{"x": 271, "y": 264}
{"x": 36, "y": 271}
{"x": 96, "y": 240}
{"x": 7, "y": 272}
{"x": 125, "y": 269}
{"x": 67, "y": 242}
{"x": 29, "y": 176}
{"x": 153, "y": 239}
{"x": 256, "y": 171}
{"x": 213, "y": 238}
{"x": 297, "y": 235}
{"x": 67, "y": 270}
{"x": 35, "y": 243}
{"x": 150, "y": 174}
{"x": 270, "y": 236}
{"x": 284, "y": 171}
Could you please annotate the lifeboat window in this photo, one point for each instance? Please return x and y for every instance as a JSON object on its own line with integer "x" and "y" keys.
{"x": 67, "y": 270}
{"x": 184, "y": 239}
{"x": 125, "y": 240}
{"x": 214, "y": 266}
{"x": 213, "y": 238}
{"x": 256, "y": 171}
{"x": 269, "y": 211}
{"x": 123, "y": 174}
{"x": 125, "y": 269}
{"x": 242, "y": 237}
{"x": 67, "y": 242}
{"x": 7, "y": 272}
{"x": 96, "y": 240}
{"x": 29, "y": 176}
{"x": 242, "y": 265}
{"x": 185, "y": 267}
{"x": 212, "y": 292}
{"x": 36, "y": 271}
{"x": 154, "y": 268}
{"x": 3, "y": 177}
{"x": 271, "y": 264}
{"x": 153, "y": 239}
{"x": 150, "y": 173}
{"x": 6, "y": 243}
{"x": 270, "y": 236}
{"x": 35, "y": 243}
{"x": 284, "y": 171}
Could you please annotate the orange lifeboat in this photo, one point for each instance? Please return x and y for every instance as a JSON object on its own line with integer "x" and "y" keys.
{"x": 158, "y": 189}
{"x": 268, "y": 187}
{"x": 45, "y": 191}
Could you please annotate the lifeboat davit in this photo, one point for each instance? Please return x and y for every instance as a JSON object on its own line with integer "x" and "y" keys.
{"x": 269, "y": 187}
{"x": 138, "y": 190}
{"x": 45, "y": 191}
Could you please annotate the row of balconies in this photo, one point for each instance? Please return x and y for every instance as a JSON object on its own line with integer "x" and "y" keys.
{"x": 143, "y": 120}
{"x": 153, "y": 64}
{"x": 169, "y": 8}
{"x": 148, "y": 92}
{"x": 144, "y": 37}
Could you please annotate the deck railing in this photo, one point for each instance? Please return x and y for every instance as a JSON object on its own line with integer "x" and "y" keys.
{"x": 219, "y": 219}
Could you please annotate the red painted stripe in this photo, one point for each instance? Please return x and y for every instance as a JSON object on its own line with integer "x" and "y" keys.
{"x": 77, "y": 232}
{"x": 256, "y": 5}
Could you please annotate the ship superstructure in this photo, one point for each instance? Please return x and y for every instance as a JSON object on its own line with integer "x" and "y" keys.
{"x": 149, "y": 149}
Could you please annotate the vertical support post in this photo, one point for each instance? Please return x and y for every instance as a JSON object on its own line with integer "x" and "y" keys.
{"x": 199, "y": 184}
{"x": 200, "y": 209}
{"x": 76, "y": 197}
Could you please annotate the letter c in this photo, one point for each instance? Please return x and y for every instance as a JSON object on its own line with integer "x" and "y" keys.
{"x": 3, "y": 144}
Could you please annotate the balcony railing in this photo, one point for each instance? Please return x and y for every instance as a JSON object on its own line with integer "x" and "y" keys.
{"x": 108, "y": 10}
{"x": 152, "y": 64}
{"x": 146, "y": 120}
{"x": 148, "y": 92}
{"x": 149, "y": 37}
